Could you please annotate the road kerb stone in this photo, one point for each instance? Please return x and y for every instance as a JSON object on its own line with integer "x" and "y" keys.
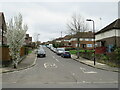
{"x": 95, "y": 66}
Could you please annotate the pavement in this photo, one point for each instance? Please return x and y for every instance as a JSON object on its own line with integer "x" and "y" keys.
{"x": 30, "y": 61}
{"x": 97, "y": 65}
{"x": 27, "y": 62}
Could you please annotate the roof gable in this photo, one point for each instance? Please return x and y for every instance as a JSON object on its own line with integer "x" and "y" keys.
{"x": 113, "y": 25}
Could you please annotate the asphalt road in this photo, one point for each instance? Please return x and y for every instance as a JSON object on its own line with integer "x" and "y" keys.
{"x": 54, "y": 71}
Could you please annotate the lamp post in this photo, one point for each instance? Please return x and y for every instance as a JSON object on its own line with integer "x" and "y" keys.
{"x": 94, "y": 35}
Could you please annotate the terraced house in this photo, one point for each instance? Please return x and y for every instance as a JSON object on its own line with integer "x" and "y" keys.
{"x": 86, "y": 40}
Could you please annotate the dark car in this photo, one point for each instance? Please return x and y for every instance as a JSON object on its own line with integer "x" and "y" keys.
{"x": 41, "y": 53}
{"x": 66, "y": 54}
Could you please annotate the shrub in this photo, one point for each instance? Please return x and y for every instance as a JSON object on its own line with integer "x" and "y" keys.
{"x": 73, "y": 51}
{"x": 69, "y": 48}
{"x": 105, "y": 57}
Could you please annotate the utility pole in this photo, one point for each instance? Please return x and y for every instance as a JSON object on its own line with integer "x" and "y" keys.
{"x": 61, "y": 33}
{"x": 37, "y": 39}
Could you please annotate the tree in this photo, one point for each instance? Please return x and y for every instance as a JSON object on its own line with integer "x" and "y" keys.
{"x": 36, "y": 39}
{"x": 16, "y": 32}
{"x": 76, "y": 26}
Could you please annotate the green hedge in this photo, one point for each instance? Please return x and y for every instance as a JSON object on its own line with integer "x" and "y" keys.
{"x": 81, "y": 51}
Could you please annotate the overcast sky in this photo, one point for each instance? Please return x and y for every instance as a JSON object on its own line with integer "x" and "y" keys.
{"x": 50, "y": 18}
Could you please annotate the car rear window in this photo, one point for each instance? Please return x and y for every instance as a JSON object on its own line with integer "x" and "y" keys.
{"x": 67, "y": 52}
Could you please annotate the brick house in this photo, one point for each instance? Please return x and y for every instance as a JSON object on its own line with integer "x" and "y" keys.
{"x": 28, "y": 40}
{"x": 109, "y": 36}
{"x": 86, "y": 40}
{"x": 58, "y": 42}
{"x": 67, "y": 41}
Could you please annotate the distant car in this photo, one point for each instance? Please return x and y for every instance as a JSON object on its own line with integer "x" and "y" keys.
{"x": 54, "y": 50}
{"x": 59, "y": 51}
{"x": 41, "y": 53}
{"x": 66, "y": 54}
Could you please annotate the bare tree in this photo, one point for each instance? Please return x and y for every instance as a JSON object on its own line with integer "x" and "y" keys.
{"x": 76, "y": 26}
{"x": 36, "y": 38}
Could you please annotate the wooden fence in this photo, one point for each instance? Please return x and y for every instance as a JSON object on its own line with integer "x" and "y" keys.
{"x": 4, "y": 53}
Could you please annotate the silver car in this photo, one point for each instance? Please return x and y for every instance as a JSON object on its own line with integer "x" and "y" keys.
{"x": 60, "y": 51}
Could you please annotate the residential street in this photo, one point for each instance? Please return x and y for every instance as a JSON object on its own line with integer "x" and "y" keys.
{"x": 55, "y": 71}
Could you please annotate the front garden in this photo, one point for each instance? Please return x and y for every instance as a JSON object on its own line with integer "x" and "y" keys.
{"x": 112, "y": 59}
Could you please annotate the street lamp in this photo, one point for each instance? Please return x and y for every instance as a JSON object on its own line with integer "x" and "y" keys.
{"x": 94, "y": 35}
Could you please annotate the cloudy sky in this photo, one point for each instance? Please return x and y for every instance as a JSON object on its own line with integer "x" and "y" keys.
{"x": 50, "y": 18}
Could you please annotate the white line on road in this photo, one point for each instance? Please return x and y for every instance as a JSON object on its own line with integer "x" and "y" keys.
{"x": 45, "y": 65}
{"x": 90, "y": 72}
{"x": 14, "y": 82}
{"x": 53, "y": 57}
{"x": 84, "y": 71}
{"x": 73, "y": 74}
{"x": 57, "y": 60}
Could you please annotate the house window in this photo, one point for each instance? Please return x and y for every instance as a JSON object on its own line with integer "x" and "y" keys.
{"x": 77, "y": 45}
{"x": 83, "y": 45}
{"x": 73, "y": 39}
{"x": 81, "y": 39}
{"x": 69, "y": 44}
{"x": 90, "y": 39}
{"x": 86, "y": 39}
{"x": 89, "y": 45}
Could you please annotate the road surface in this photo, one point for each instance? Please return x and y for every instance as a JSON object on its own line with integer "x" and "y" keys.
{"x": 53, "y": 71}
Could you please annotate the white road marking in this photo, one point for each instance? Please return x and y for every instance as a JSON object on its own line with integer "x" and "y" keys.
{"x": 73, "y": 74}
{"x": 45, "y": 65}
{"x": 57, "y": 60}
{"x": 84, "y": 71}
{"x": 90, "y": 72}
{"x": 84, "y": 82}
{"x": 53, "y": 57}
{"x": 14, "y": 82}
{"x": 50, "y": 65}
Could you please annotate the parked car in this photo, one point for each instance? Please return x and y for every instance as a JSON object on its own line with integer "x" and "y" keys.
{"x": 41, "y": 53}
{"x": 59, "y": 51}
{"x": 66, "y": 54}
{"x": 54, "y": 50}
{"x": 51, "y": 48}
